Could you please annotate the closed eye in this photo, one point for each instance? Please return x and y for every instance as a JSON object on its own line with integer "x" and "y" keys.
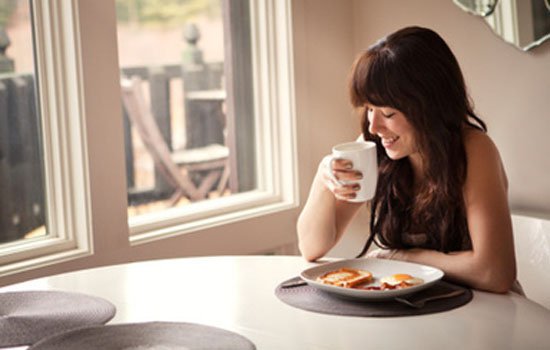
{"x": 388, "y": 115}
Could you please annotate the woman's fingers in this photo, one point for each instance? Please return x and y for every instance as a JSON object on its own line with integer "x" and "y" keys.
{"x": 347, "y": 175}
{"x": 382, "y": 253}
{"x": 347, "y": 191}
{"x": 342, "y": 169}
{"x": 342, "y": 164}
{"x": 338, "y": 178}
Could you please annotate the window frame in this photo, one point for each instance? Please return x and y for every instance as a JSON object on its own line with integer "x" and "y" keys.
{"x": 274, "y": 132}
{"x": 58, "y": 77}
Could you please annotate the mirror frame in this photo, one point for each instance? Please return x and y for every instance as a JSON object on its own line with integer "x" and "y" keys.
{"x": 487, "y": 16}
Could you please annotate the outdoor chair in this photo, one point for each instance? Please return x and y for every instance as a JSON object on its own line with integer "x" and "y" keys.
{"x": 178, "y": 166}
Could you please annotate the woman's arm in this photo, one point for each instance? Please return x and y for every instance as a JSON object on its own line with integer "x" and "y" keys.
{"x": 324, "y": 218}
{"x": 490, "y": 265}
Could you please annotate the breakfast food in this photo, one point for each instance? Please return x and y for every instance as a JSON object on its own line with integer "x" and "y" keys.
{"x": 401, "y": 279}
{"x": 346, "y": 277}
{"x": 397, "y": 281}
{"x": 361, "y": 279}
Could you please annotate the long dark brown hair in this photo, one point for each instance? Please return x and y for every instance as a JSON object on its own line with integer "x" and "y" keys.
{"x": 414, "y": 71}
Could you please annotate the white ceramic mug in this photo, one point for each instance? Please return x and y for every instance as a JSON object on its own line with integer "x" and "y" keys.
{"x": 363, "y": 156}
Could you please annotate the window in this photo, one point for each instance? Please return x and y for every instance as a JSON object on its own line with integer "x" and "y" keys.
{"x": 195, "y": 122}
{"x": 83, "y": 148}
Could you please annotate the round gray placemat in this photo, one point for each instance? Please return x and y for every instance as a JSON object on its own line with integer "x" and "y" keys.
{"x": 310, "y": 298}
{"x": 28, "y": 316}
{"x": 147, "y": 336}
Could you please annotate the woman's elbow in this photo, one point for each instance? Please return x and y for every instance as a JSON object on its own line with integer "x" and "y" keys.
{"x": 499, "y": 281}
{"x": 307, "y": 252}
{"x": 499, "y": 288}
{"x": 310, "y": 258}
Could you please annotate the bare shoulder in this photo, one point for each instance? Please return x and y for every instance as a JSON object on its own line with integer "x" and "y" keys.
{"x": 483, "y": 156}
{"x": 478, "y": 142}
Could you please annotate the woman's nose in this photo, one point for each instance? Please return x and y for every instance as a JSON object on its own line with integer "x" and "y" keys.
{"x": 374, "y": 122}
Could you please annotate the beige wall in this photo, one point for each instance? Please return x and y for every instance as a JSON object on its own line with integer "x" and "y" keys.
{"x": 510, "y": 88}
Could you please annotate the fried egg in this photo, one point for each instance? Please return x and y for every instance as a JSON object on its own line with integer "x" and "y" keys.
{"x": 396, "y": 279}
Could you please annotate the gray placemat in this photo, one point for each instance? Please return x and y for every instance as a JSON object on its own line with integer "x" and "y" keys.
{"x": 28, "y": 316}
{"x": 147, "y": 336}
{"x": 310, "y": 298}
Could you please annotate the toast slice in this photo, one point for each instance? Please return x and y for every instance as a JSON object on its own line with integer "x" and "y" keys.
{"x": 346, "y": 277}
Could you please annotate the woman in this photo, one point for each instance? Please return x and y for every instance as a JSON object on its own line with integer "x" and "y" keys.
{"x": 441, "y": 198}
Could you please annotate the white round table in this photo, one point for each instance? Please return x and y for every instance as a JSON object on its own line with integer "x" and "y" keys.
{"x": 237, "y": 293}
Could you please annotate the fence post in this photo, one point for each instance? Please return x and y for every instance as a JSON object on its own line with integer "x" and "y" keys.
{"x": 24, "y": 159}
{"x": 129, "y": 153}
{"x": 36, "y": 204}
{"x": 204, "y": 123}
{"x": 192, "y": 55}
{"x": 7, "y": 230}
{"x": 159, "y": 92}
{"x": 6, "y": 64}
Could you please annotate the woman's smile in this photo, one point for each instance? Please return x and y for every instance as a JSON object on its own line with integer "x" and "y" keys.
{"x": 388, "y": 142}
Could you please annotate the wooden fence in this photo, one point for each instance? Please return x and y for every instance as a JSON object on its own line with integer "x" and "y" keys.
{"x": 22, "y": 206}
{"x": 203, "y": 123}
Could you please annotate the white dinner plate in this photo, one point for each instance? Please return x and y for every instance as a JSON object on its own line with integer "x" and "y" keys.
{"x": 379, "y": 268}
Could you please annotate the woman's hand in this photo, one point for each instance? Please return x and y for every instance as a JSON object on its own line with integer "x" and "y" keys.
{"x": 327, "y": 213}
{"x": 390, "y": 254}
{"x": 339, "y": 177}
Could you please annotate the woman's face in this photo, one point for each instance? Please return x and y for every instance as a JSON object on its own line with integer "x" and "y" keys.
{"x": 396, "y": 133}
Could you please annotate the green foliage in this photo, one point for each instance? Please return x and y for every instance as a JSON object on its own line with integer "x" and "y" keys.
{"x": 164, "y": 13}
{"x": 7, "y": 7}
